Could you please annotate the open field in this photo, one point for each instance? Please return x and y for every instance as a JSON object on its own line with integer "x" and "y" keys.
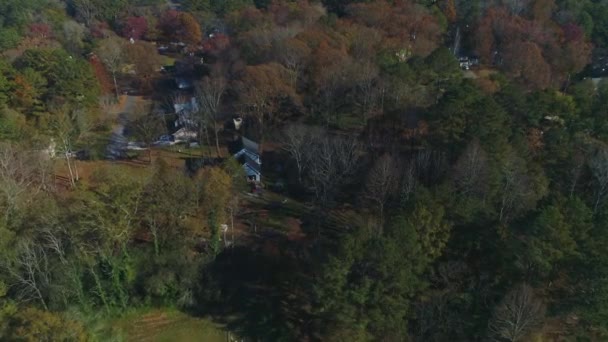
{"x": 168, "y": 326}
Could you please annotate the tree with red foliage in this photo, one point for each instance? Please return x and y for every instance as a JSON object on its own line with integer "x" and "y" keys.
{"x": 216, "y": 44}
{"x": 168, "y": 24}
{"x": 100, "y": 30}
{"x": 101, "y": 74}
{"x": 40, "y": 30}
{"x": 134, "y": 27}
{"x": 576, "y": 51}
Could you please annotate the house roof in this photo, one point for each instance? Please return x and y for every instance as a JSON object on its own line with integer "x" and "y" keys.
{"x": 249, "y": 156}
{"x": 250, "y": 170}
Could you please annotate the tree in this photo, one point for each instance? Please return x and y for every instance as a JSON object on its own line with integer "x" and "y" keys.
{"x": 518, "y": 314}
{"x": 293, "y": 54}
{"x": 146, "y": 60}
{"x": 449, "y": 10}
{"x": 168, "y": 198}
{"x": 70, "y": 80}
{"x": 332, "y": 160}
{"x": 217, "y": 190}
{"x": 297, "y": 139}
{"x": 598, "y": 164}
{"x": 364, "y": 289}
{"x": 111, "y": 53}
{"x": 189, "y": 30}
{"x": 524, "y": 60}
{"x": 70, "y": 126}
{"x": 87, "y": 10}
{"x": 262, "y": 90}
{"x": 30, "y": 272}
{"x": 134, "y": 27}
{"x": 217, "y": 194}
{"x": 180, "y": 26}
{"x": 73, "y": 36}
{"x": 552, "y": 241}
{"x": 31, "y": 325}
{"x": 23, "y": 176}
{"x": 147, "y": 127}
{"x": 209, "y": 94}
{"x": 101, "y": 74}
{"x": 471, "y": 171}
{"x": 516, "y": 190}
{"x": 381, "y": 183}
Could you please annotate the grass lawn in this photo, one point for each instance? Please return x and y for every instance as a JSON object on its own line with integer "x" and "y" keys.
{"x": 168, "y": 325}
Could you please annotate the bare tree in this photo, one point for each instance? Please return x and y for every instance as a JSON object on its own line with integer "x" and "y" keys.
{"x": 517, "y": 315}
{"x": 30, "y": 272}
{"x": 366, "y": 85}
{"x": 209, "y": 94}
{"x": 409, "y": 181}
{"x": 111, "y": 53}
{"x": 519, "y": 191}
{"x": 86, "y": 10}
{"x": 297, "y": 139}
{"x": 23, "y": 174}
{"x": 332, "y": 160}
{"x": 70, "y": 126}
{"x": 598, "y": 164}
{"x": 292, "y": 53}
{"x": 381, "y": 182}
{"x": 470, "y": 170}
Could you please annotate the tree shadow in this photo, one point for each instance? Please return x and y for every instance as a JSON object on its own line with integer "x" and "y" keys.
{"x": 258, "y": 291}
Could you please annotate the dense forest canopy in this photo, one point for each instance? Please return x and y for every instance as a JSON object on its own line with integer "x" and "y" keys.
{"x": 433, "y": 170}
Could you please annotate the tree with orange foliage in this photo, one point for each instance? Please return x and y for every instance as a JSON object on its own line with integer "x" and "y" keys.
{"x": 180, "y": 26}
{"x": 524, "y": 60}
{"x": 449, "y": 10}
{"x": 189, "y": 30}
{"x": 329, "y": 74}
{"x": 262, "y": 90}
{"x": 406, "y": 24}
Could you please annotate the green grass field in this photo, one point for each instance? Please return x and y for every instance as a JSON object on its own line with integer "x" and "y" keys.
{"x": 168, "y": 326}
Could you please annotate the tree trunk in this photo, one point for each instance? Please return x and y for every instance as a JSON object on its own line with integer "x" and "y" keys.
{"x": 76, "y": 170}
{"x": 115, "y": 86}
{"x": 232, "y": 227}
{"x": 206, "y": 129}
{"x": 67, "y": 158}
{"x": 217, "y": 143}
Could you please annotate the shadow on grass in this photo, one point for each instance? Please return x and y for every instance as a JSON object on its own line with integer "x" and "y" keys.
{"x": 259, "y": 292}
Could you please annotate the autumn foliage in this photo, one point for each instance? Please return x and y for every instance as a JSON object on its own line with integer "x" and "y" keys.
{"x": 537, "y": 53}
{"x": 101, "y": 74}
{"x": 134, "y": 27}
{"x": 180, "y": 26}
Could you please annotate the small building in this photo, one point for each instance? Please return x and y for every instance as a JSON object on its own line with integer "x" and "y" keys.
{"x": 250, "y": 158}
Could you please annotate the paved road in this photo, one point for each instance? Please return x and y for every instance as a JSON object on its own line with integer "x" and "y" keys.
{"x": 117, "y": 145}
